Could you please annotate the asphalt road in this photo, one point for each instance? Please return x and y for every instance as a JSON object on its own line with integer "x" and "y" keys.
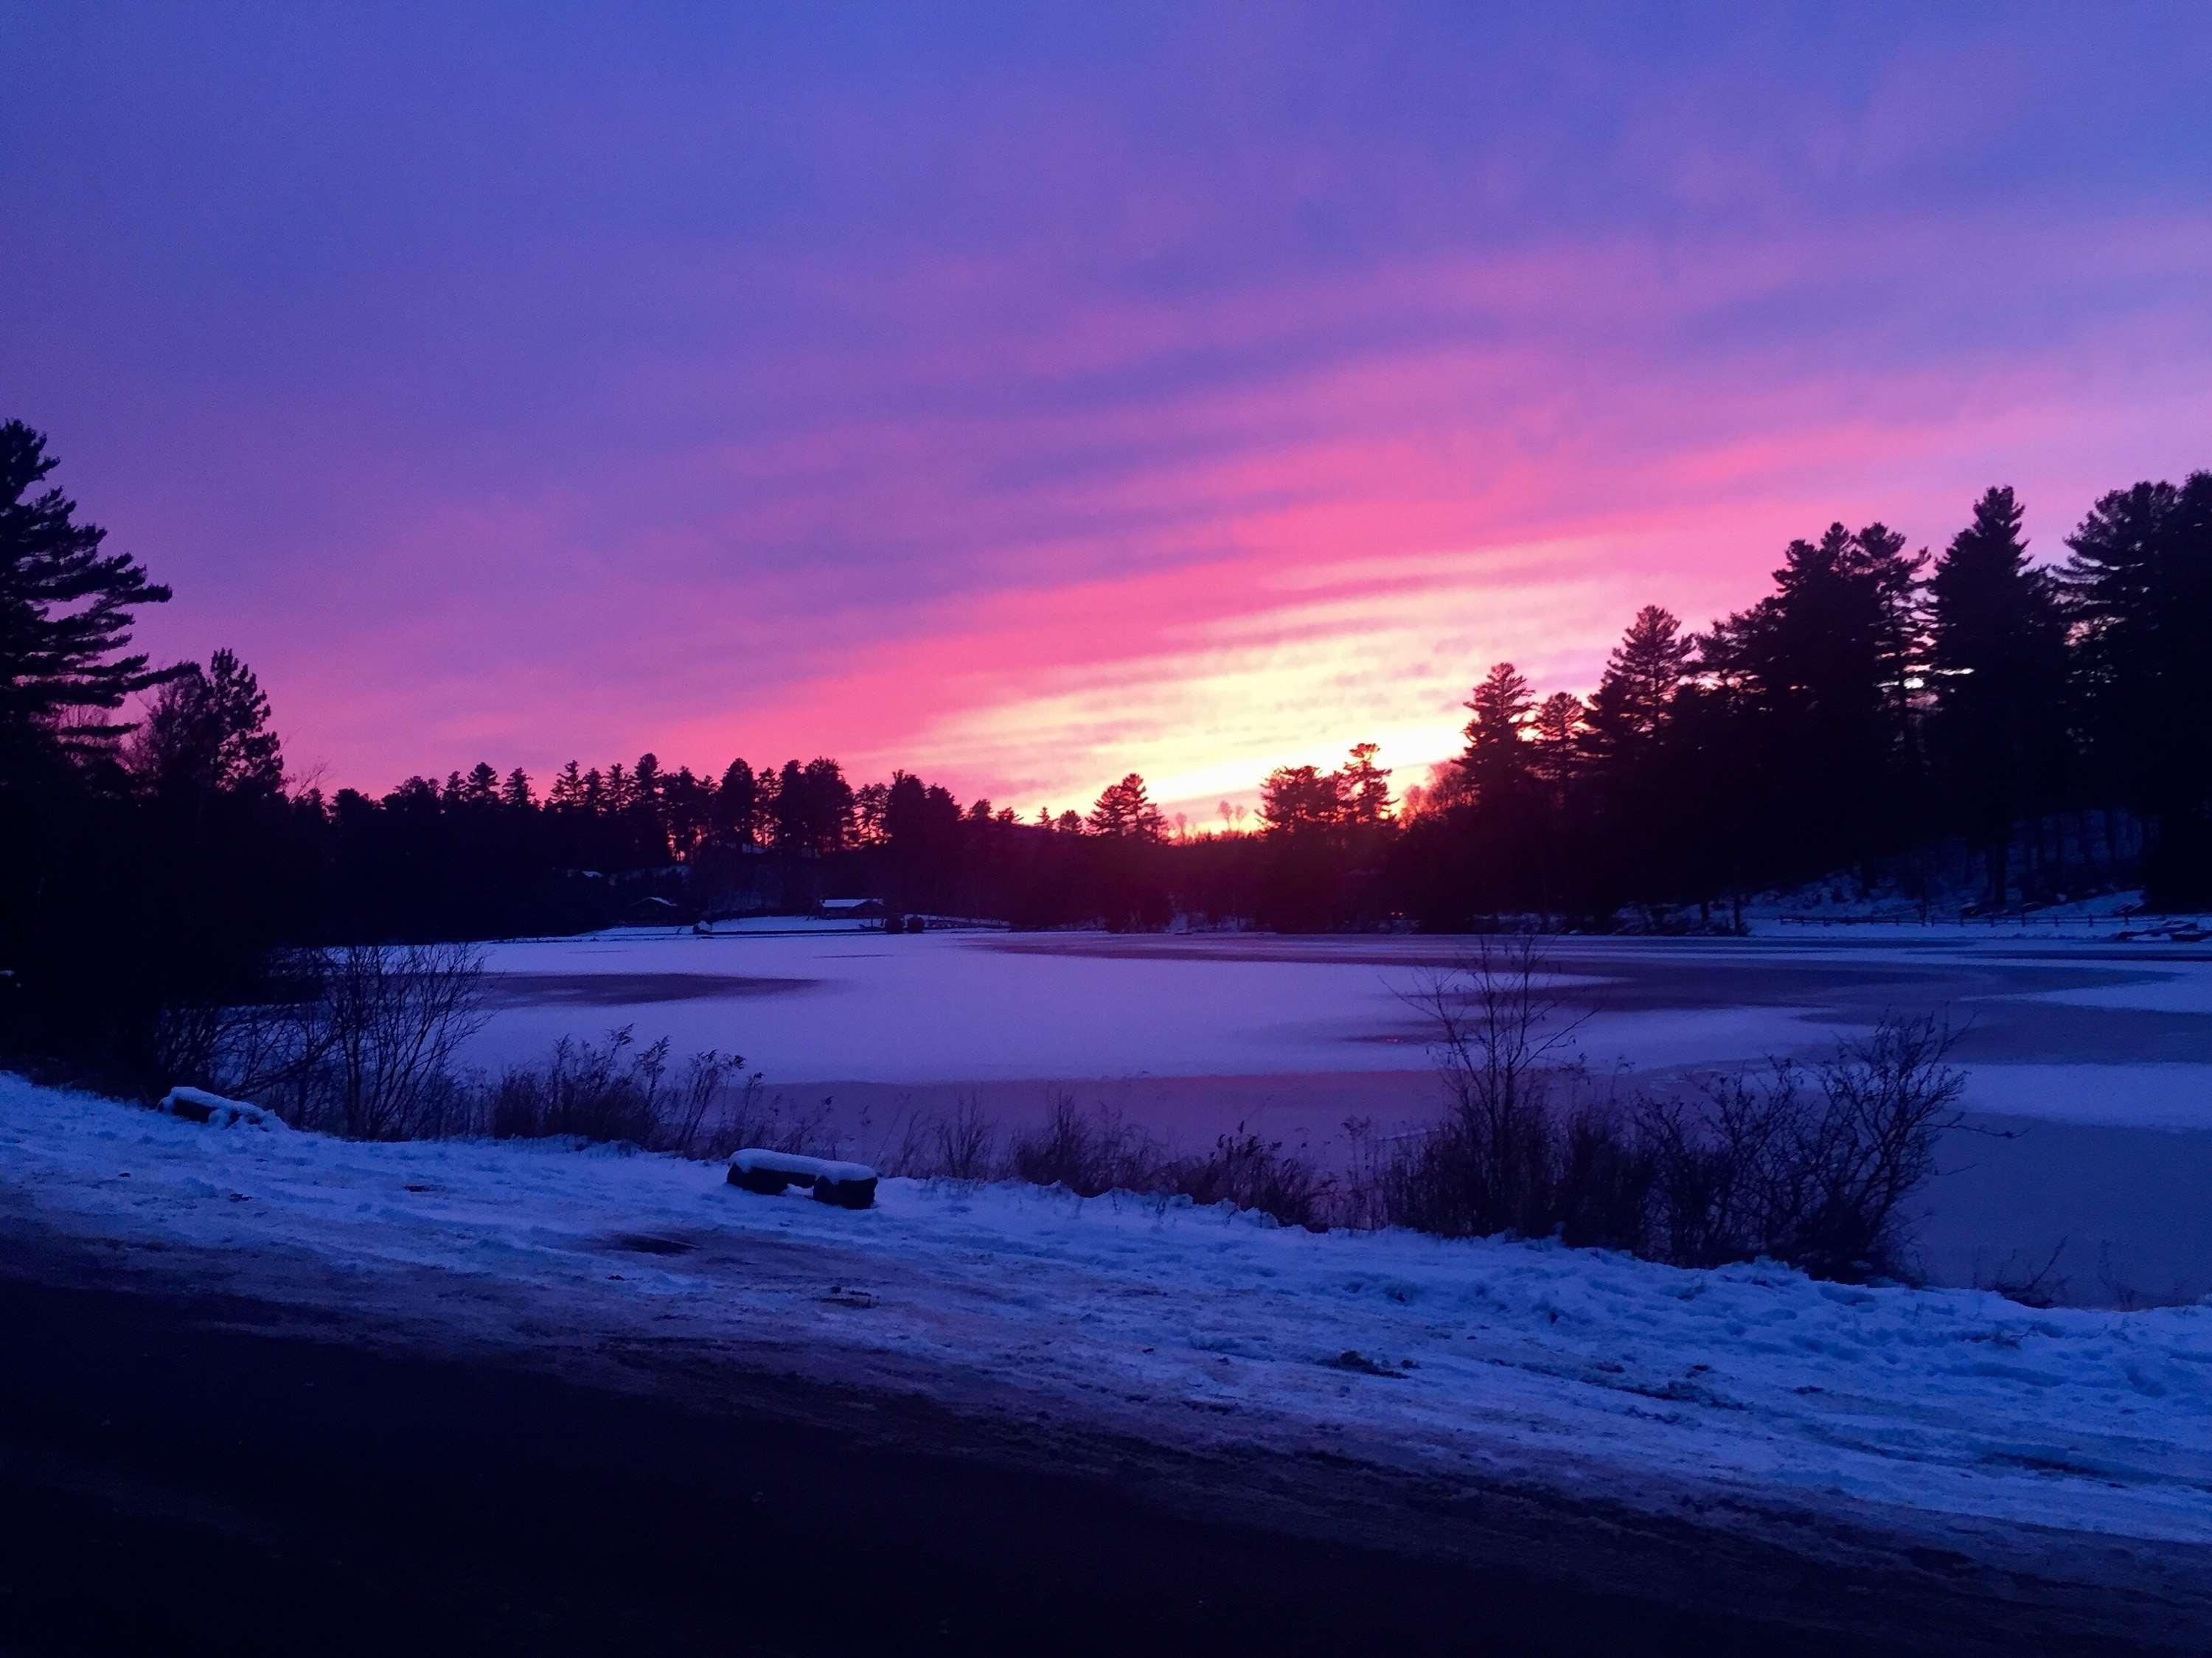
{"x": 195, "y": 1476}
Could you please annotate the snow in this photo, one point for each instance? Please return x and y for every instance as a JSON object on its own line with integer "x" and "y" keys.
{"x": 823, "y": 1006}
{"x": 198, "y": 1105}
{"x": 945, "y": 1007}
{"x": 1750, "y": 1390}
{"x": 753, "y": 1161}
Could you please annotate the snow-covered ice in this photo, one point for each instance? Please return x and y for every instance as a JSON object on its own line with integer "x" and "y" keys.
{"x": 2060, "y": 1026}
{"x": 1575, "y": 1370}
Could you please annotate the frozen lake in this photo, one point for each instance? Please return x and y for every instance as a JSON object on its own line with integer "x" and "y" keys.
{"x": 2100, "y": 1050}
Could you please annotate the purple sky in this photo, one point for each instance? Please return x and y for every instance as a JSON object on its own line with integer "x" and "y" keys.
{"x": 1028, "y": 394}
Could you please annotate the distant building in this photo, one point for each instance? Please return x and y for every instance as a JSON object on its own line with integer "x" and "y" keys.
{"x": 850, "y": 909}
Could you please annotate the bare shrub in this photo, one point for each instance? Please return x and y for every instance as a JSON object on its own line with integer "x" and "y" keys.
{"x": 966, "y": 1141}
{"x": 617, "y": 1092}
{"x": 747, "y": 1114}
{"x": 1812, "y": 1165}
{"x": 392, "y": 1018}
{"x": 1513, "y": 1153}
{"x": 1089, "y": 1153}
{"x": 362, "y": 1040}
{"x": 1250, "y": 1173}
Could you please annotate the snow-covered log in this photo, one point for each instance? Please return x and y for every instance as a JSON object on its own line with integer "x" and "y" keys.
{"x": 848, "y": 1185}
{"x": 198, "y": 1105}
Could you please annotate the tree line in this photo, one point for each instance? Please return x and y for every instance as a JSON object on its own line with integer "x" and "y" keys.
{"x": 2043, "y": 726}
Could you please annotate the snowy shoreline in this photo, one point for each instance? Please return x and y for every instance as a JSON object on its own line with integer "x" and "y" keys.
{"x": 1965, "y": 1421}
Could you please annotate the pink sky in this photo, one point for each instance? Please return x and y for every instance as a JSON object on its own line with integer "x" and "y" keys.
{"x": 1041, "y": 399}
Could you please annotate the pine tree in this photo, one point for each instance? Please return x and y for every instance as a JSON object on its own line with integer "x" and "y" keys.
{"x": 618, "y": 792}
{"x": 1496, "y": 758}
{"x": 1293, "y": 800}
{"x": 1554, "y": 730}
{"x": 2141, "y": 583}
{"x": 1824, "y": 670}
{"x": 734, "y": 802}
{"x": 515, "y": 793}
{"x": 1639, "y": 683}
{"x": 481, "y": 788}
{"x": 1124, "y": 810}
{"x": 66, "y": 613}
{"x": 1998, "y": 649}
{"x": 647, "y": 780}
{"x": 1365, "y": 786}
{"x": 829, "y": 816}
{"x": 208, "y": 730}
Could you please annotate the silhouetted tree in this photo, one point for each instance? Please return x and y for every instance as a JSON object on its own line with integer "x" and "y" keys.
{"x": 1126, "y": 811}
{"x": 207, "y": 729}
{"x": 1825, "y": 668}
{"x": 1301, "y": 800}
{"x": 66, "y": 612}
{"x": 734, "y": 803}
{"x": 2141, "y": 582}
{"x": 1365, "y": 786}
{"x": 1998, "y": 644}
{"x": 1495, "y": 760}
{"x": 1554, "y": 730}
{"x": 1641, "y": 678}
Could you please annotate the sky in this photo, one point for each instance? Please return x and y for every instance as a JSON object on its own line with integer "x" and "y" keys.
{"x": 1024, "y": 395}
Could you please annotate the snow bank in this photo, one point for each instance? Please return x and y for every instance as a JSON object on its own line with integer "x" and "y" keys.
{"x": 1747, "y": 1390}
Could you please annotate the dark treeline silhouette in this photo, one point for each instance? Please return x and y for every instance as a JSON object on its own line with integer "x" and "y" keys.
{"x": 2033, "y": 729}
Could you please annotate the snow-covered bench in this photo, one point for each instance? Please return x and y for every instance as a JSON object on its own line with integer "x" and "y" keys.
{"x": 848, "y": 1185}
{"x": 198, "y": 1105}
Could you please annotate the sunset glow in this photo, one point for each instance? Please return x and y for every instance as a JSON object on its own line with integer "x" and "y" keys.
{"x": 1025, "y": 399}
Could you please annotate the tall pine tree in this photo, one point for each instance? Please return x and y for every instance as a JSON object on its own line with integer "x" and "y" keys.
{"x": 1998, "y": 649}
{"x": 65, "y": 617}
{"x": 2140, "y": 584}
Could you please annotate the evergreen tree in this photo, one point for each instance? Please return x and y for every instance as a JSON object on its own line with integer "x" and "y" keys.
{"x": 735, "y": 802}
{"x": 481, "y": 787}
{"x": 829, "y": 816}
{"x": 1296, "y": 801}
{"x": 687, "y": 806}
{"x": 208, "y": 730}
{"x": 1998, "y": 648}
{"x": 791, "y": 809}
{"x": 2141, "y": 583}
{"x": 66, "y": 612}
{"x": 515, "y": 793}
{"x": 1124, "y": 810}
{"x": 1639, "y": 683}
{"x": 1824, "y": 667}
{"x": 1554, "y": 730}
{"x": 1496, "y": 758}
{"x": 1365, "y": 786}
{"x": 618, "y": 792}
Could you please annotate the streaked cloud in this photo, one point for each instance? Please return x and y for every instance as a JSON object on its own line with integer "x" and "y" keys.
{"x": 1026, "y": 397}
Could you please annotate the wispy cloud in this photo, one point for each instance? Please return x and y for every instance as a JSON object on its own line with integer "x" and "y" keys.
{"x": 1031, "y": 398}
